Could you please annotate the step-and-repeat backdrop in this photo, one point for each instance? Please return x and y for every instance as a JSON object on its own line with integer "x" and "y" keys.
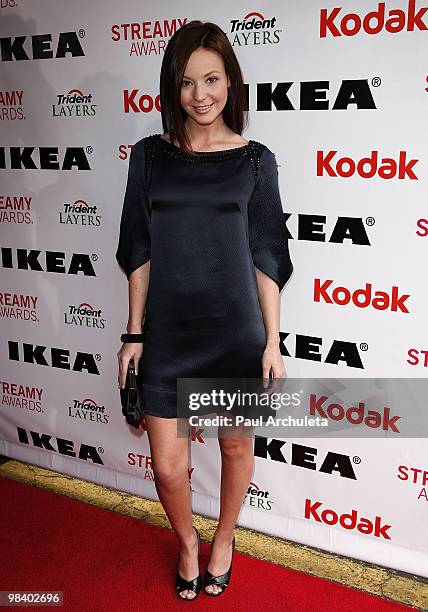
{"x": 339, "y": 92}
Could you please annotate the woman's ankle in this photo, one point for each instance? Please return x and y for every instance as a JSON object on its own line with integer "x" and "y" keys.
{"x": 188, "y": 541}
{"x": 223, "y": 535}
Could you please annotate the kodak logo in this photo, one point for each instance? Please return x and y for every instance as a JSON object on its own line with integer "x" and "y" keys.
{"x": 355, "y": 415}
{"x": 362, "y": 298}
{"x": 335, "y": 24}
{"x": 366, "y": 167}
{"x": 350, "y": 521}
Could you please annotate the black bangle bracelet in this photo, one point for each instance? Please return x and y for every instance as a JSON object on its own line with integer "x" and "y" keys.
{"x": 132, "y": 338}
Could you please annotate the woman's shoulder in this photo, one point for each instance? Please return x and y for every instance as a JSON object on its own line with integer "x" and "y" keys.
{"x": 141, "y": 144}
{"x": 262, "y": 145}
{"x": 143, "y": 150}
{"x": 263, "y": 154}
{"x": 267, "y": 154}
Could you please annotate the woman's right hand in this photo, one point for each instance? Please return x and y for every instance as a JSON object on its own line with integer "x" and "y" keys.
{"x": 128, "y": 350}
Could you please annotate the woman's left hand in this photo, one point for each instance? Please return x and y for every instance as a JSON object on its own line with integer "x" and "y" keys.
{"x": 272, "y": 362}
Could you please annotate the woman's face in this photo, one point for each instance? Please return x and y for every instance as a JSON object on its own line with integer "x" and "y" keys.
{"x": 204, "y": 86}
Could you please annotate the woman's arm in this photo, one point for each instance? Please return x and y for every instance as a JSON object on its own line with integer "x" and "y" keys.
{"x": 133, "y": 255}
{"x": 137, "y": 296}
{"x": 138, "y": 283}
{"x": 268, "y": 241}
{"x": 270, "y": 304}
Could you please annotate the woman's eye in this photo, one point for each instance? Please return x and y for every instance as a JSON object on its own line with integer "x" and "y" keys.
{"x": 212, "y": 79}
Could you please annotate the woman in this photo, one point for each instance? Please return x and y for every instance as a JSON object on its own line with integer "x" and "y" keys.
{"x": 202, "y": 220}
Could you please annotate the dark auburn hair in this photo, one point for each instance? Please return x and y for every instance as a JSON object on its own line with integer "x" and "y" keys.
{"x": 184, "y": 41}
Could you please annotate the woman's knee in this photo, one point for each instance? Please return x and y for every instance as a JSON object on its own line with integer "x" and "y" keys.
{"x": 236, "y": 449}
{"x": 169, "y": 471}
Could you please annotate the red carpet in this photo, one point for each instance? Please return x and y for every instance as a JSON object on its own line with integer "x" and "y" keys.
{"x": 105, "y": 561}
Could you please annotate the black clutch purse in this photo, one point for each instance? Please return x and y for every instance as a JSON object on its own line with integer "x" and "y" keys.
{"x": 130, "y": 398}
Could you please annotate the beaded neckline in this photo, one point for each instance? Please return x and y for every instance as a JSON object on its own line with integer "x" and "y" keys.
{"x": 205, "y": 155}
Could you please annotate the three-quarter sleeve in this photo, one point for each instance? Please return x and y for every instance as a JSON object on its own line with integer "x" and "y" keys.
{"x": 133, "y": 248}
{"x": 268, "y": 234}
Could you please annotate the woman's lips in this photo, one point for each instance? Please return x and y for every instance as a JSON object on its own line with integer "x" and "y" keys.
{"x": 203, "y": 109}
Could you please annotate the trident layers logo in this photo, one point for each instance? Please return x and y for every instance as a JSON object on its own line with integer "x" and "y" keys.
{"x": 80, "y": 212}
{"x": 257, "y": 497}
{"x": 88, "y": 410}
{"x": 84, "y": 315}
{"x": 74, "y": 103}
{"x": 254, "y": 29}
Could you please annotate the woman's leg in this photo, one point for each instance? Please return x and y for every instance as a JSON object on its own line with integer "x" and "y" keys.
{"x": 237, "y": 464}
{"x": 170, "y": 463}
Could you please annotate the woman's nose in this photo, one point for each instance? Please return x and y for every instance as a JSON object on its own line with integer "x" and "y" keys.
{"x": 199, "y": 94}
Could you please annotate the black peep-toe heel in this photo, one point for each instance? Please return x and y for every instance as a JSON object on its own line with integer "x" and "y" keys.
{"x": 194, "y": 585}
{"x": 221, "y": 581}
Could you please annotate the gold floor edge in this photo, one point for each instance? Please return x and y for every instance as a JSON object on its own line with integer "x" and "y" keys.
{"x": 387, "y": 583}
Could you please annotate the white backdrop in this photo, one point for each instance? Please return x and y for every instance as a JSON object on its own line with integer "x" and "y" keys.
{"x": 341, "y": 88}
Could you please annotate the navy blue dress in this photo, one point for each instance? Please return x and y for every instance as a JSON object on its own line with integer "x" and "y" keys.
{"x": 204, "y": 222}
